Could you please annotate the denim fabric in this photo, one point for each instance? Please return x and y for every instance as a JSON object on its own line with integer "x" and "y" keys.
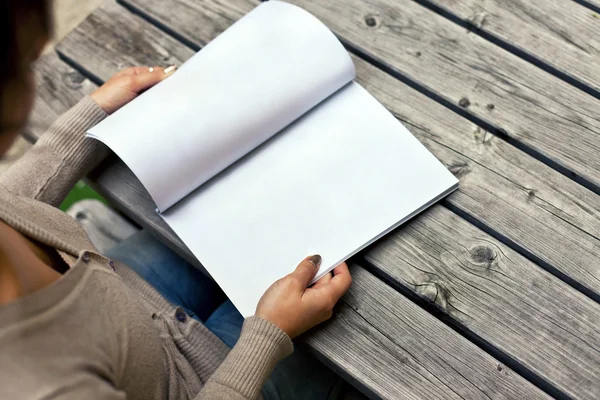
{"x": 175, "y": 279}
{"x": 299, "y": 376}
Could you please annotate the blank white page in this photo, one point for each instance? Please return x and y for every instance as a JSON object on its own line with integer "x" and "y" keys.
{"x": 331, "y": 183}
{"x": 254, "y": 79}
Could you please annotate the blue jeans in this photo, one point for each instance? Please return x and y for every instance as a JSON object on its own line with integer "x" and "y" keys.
{"x": 299, "y": 376}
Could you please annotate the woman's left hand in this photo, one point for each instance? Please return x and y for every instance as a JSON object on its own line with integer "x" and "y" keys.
{"x": 127, "y": 84}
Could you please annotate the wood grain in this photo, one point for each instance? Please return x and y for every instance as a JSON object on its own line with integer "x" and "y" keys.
{"x": 383, "y": 340}
{"x": 516, "y": 196}
{"x": 397, "y": 350}
{"x": 499, "y": 297}
{"x": 592, "y": 4}
{"x": 195, "y": 22}
{"x": 568, "y": 296}
{"x": 145, "y": 44}
{"x": 60, "y": 87}
{"x": 552, "y": 218}
{"x": 561, "y": 33}
{"x": 527, "y": 104}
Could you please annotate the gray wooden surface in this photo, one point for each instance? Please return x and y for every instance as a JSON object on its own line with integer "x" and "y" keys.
{"x": 502, "y": 308}
{"x": 592, "y": 4}
{"x": 493, "y": 296}
{"x": 436, "y": 361}
{"x": 53, "y": 76}
{"x": 385, "y": 342}
{"x": 516, "y": 196}
{"x": 511, "y": 194}
{"x": 530, "y": 106}
{"x": 499, "y": 297}
{"x": 562, "y": 33}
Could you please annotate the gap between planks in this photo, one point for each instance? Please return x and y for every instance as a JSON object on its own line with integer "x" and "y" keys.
{"x": 593, "y": 5}
{"x": 525, "y": 29}
{"x": 427, "y": 358}
{"x": 536, "y": 111}
{"x": 577, "y": 216}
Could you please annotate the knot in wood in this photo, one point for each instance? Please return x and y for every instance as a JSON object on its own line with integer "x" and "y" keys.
{"x": 482, "y": 254}
{"x": 49, "y": 83}
{"x": 464, "y": 102}
{"x": 436, "y": 293}
{"x": 491, "y": 106}
{"x": 459, "y": 169}
{"x": 478, "y": 19}
{"x": 370, "y": 21}
{"x": 73, "y": 80}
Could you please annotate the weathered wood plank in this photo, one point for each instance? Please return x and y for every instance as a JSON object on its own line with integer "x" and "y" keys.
{"x": 524, "y": 200}
{"x": 405, "y": 353}
{"x": 146, "y": 44}
{"x": 561, "y": 33}
{"x": 422, "y": 359}
{"x": 52, "y": 99}
{"x": 568, "y": 296}
{"x": 520, "y": 198}
{"x": 498, "y": 88}
{"x": 196, "y": 22}
{"x": 498, "y": 297}
{"x": 549, "y": 216}
{"x": 592, "y": 4}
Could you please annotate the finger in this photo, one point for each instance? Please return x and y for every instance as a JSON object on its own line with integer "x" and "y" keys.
{"x": 339, "y": 283}
{"x": 341, "y": 269}
{"x": 306, "y": 270}
{"x": 131, "y": 71}
{"x": 143, "y": 78}
{"x": 323, "y": 280}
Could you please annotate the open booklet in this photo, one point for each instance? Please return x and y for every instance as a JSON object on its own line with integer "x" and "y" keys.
{"x": 261, "y": 150}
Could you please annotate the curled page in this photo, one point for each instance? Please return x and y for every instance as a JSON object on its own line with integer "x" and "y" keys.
{"x": 257, "y": 77}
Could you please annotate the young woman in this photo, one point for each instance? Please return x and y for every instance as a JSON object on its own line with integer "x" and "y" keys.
{"x": 76, "y": 324}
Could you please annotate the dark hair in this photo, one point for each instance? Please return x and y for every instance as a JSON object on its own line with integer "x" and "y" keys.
{"x": 12, "y": 14}
{"x": 16, "y": 16}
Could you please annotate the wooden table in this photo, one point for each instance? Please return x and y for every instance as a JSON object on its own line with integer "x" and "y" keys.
{"x": 494, "y": 292}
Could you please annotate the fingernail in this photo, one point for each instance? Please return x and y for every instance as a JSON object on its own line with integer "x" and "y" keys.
{"x": 170, "y": 69}
{"x": 315, "y": 260}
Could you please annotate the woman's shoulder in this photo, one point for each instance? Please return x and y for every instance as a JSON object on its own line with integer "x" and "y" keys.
{"x": 85, "y": 333}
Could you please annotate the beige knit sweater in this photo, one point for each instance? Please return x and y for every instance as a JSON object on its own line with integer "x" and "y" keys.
{"x": 102, "y": 332}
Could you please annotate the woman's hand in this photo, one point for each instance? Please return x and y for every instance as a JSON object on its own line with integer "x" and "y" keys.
{"x": 293, "y": 307}
{"x": 127, "y": 84}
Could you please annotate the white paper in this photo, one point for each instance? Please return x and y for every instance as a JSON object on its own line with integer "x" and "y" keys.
{"x": 258, "y": 76}
{"x": 330, "y": 184}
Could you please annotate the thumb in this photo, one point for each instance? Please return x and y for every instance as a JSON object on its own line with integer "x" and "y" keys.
{"x": 147, "y": 77}
{"x": 306, "y": 270}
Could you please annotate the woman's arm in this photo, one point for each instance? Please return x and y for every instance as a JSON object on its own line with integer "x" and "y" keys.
{"x": 286, "y": 310}
{"x": 64, "y": 155}
{"x": 244, "y": 372}
{"x": 60, "y": 158}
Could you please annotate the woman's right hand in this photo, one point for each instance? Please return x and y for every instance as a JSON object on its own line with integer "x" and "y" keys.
{"x": 293, "y": 307}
